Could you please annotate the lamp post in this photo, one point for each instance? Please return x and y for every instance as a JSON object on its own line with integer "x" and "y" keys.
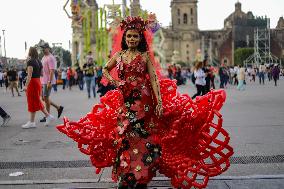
{"x": 4, "y": 43}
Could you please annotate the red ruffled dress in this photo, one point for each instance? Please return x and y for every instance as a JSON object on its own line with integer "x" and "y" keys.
{"x": 123, "y": 132}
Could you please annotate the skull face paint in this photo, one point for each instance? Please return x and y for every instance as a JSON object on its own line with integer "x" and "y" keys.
{"x": 132, "y": 39}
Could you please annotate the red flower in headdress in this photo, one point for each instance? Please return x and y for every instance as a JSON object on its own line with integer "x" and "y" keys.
{"x": 134, "y": 23}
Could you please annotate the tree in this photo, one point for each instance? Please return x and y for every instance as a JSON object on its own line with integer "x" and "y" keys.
{"x": 241, "y": 54}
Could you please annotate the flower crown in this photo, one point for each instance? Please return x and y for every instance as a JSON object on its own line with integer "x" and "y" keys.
{"x": 136, "y": 23}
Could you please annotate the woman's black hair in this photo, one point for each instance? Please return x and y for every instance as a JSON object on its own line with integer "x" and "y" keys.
{"x": 142, "y": 47}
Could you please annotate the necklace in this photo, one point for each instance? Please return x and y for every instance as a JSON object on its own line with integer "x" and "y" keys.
{"x": 130, "y": 55}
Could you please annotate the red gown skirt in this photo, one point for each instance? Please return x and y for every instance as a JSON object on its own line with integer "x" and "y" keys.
{"x": 34, "y": 95}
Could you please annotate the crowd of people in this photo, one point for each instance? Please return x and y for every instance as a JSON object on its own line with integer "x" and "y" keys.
{"x": 41, "y": 76}
{"x": 202, "y": 75}
{"x": 205, "y": 76}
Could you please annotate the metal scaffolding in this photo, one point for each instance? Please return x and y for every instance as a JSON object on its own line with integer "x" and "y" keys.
{"x": 262, "y": 53}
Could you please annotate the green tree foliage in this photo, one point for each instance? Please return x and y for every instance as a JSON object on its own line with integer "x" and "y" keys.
{"x": 241, "y": 54}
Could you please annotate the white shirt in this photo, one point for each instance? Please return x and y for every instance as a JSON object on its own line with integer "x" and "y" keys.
{"x": 20, "y": 74}
{"x": 63, "y": 75}
{"x": 200, "y": 77}
{"x": 262, "y": 68}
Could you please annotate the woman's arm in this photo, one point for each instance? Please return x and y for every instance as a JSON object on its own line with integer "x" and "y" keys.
{"x": 155, "y": 84}
{"x": 29, "y": 76}
{"x": 109, "y": 65}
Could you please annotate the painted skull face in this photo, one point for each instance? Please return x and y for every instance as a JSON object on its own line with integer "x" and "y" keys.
{"x": 132, "y": 38}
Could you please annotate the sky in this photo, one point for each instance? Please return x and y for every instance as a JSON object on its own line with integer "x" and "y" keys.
{"x": 32, "y": 20}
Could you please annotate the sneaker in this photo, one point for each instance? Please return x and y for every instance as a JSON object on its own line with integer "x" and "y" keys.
{"x": 59, "y": 111}
{"x": 49, "y": 120}
{"x": 29, "y": 125}
{"x": 6, "y": 119}
{"x": 42, "y": 120}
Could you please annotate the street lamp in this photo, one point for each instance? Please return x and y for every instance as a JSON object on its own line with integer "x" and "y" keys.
{"x": 4, "y": 43}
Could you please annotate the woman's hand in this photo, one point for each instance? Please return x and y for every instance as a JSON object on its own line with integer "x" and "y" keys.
{"x": 117, "y": 83}
{"x": 25, "y": 88}
{"x": 159, "y": 109}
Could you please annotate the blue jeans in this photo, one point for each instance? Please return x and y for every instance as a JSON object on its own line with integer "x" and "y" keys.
{"x": 63, "y": 84}
{"x": 261, "y": 77}
{"x": 90, "y": 82}
{"x": 54, "y": 86}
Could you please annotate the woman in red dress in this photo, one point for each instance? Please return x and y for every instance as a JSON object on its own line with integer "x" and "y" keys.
{"x": 145, "y": 125}
{"x": 33, "y": 89}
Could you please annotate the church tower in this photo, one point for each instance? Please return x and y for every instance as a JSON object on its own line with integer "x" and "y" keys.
{"x": 184, "y": 14}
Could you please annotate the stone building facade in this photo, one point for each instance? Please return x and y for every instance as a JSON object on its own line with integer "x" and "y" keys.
{"x": 217, "y": 45}
{"x": 78, "y": 38}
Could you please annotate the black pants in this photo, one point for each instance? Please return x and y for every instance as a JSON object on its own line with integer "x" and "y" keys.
{"x": 212, "y": 81}
{"x": 2, "y": 113}
{"x": 200, "y": 91}
{"x": 63, "y": 83}
{"x": 275, "y": 80}
{"x": 20, "y": 83}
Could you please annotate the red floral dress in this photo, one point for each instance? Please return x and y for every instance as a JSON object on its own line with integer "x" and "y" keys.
{"x": 187, "y": 142}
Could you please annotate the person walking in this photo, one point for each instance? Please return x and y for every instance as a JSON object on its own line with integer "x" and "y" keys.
{"x": 33, "y": 90}
{"x": 89, "y": 76}
{"x": 253, "y": 74}
{"x": 6, "y": 117}
{"x": 241, "y": 79}
{"x": 63, "y": 77}
{"x": 199, "y": 80}
{"x": 275, "y": 72}
{"x": 261, "y": 73}
{"x": 20, "y": 81}
{"x": 70, "y": 78}
{"x": 222, "y": 76}
{"x": 212, "y": 76}
{"x": 6, "y": 80}
{"x": 80, "y": 78}
{"x": 24, "y": 76}
{"x": 207, "y": 72}
{"x": 47, "y": 79}
{"x": 13, "y": 79}
{"x": 1, "y": 78}
{"x": 236, "y": 72}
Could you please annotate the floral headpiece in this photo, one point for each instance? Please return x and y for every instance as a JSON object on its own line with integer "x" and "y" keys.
{"x": 136, "y": 23}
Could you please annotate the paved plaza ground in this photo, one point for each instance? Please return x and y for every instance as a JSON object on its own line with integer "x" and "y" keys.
{"x": 48, "y": 159}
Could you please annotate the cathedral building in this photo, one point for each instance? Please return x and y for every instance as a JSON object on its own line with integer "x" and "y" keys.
{"x": 184, "y": 37}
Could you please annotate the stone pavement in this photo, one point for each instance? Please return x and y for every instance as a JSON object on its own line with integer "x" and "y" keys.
{"x": 48, "y": 159}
